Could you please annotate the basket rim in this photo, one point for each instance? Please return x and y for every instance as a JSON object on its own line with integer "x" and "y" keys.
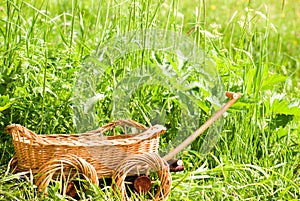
{"x": 23, "y": 135}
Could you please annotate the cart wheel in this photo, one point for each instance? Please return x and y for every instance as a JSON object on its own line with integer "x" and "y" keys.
{"x": 69, "y": 170}
{"x": 12, "y": 165}
{"x": 147, "y": 174}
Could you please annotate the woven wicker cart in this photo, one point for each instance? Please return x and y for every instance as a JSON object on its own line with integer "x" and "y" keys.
{"x": 95, "y": 156}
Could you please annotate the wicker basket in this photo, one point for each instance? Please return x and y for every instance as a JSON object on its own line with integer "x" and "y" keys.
{"x": 102, "y": 152}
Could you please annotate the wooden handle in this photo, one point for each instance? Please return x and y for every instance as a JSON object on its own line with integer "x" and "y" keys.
{"x": 233, "y": 97}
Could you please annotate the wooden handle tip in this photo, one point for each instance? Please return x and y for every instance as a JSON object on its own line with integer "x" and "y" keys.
{"x": 233, "y": 95}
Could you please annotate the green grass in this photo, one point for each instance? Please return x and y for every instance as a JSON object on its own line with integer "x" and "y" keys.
{"x": 253, "y": 43}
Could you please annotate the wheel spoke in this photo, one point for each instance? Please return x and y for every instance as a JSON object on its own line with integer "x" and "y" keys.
{"x": 128, "y": 182}
{"x": 137, "y": 170}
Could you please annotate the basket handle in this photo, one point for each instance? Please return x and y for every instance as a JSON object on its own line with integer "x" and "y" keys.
{"x": 124, "y": 123}
{"x": 21, "y": 131}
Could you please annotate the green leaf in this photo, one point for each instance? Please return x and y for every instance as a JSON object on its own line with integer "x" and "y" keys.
{"x": 277, "y": 104}
{"x": 5, "y": 103}
{"x": 283, "y": 107}
{"x": 272, "y": 80}
{"x": 40, "y": 90}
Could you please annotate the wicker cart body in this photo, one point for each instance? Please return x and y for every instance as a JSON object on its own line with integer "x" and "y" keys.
{"x": 102, "y": 152}
{"x": 98, "y": 156}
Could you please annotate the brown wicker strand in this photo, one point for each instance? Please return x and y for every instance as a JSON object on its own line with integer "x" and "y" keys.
{"x": 123, "y": 123}
{"x": 59, "y": 165}
{"x": 21, "y": 131}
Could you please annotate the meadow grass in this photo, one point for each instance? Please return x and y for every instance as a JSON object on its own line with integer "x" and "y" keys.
{"x": 253, "y": 43}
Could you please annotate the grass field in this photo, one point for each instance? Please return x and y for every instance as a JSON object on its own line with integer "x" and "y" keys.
{"x": 255, "y": 47}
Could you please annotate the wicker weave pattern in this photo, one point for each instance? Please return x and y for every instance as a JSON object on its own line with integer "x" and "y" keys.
{"x": 68, "y": 164}
{"x": 136, "y": 164}
{"x": 102, "y": 152}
